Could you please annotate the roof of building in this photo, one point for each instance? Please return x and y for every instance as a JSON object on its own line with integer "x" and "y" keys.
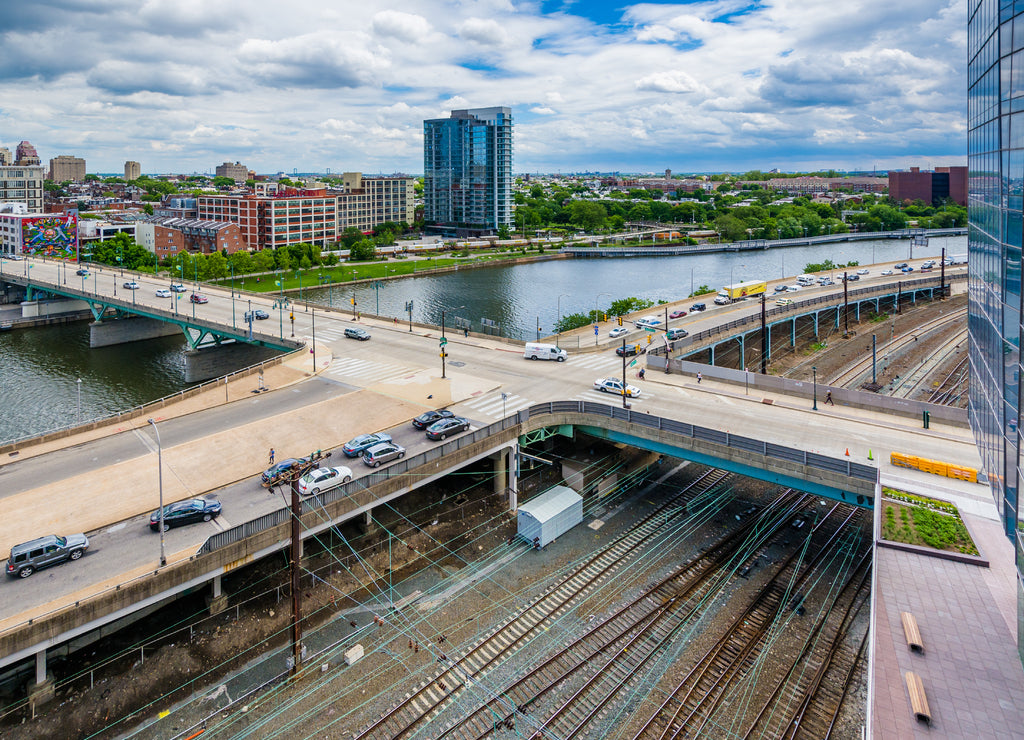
{"x": 551, "y": 503}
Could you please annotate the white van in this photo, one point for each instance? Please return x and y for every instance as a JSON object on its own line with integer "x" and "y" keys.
{"x": 535, "y": 351}
{"x": 805, "y": 280}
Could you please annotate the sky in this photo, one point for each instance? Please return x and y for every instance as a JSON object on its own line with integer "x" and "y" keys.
{"x": 306, "y": 85}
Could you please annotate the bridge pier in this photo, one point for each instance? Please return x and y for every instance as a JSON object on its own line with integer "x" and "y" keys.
{"x": 221, "y": 359}
{"x": 43, "y": 309}
{"x": 131, "y": 329}
{"x": 505, "y": 475}
{"x": 43, "y": 690}
{"x": 369, "y": 526}
{"x": 218, "y": 600}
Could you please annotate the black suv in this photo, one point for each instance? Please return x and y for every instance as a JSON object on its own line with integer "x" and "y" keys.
{"x": 698, "y": 307}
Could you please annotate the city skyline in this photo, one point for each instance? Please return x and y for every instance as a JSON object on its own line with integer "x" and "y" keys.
{"x": 701, "y": 86}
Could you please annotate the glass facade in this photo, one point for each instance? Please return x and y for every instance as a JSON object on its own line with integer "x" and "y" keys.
{"x": 467, "y": 165}
{"x": 995, "y": 159}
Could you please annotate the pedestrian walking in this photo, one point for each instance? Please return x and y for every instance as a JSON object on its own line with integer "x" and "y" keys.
{"x": 699, "y": 378}
{"x": 641, "y": 373}
{"x": 271, "y": 455}
{"x": 828, "y": 398}
{"x": 465, "y": 333}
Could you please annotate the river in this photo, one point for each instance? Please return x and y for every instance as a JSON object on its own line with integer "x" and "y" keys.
{"x": 40, "y": 368}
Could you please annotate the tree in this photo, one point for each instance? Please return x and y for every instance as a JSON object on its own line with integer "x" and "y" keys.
{"x": 587, "y": 214}
{"x": 223, "y": 182}
{"x": 216, "y": 266}
{"x": 730, "y": 227}
{"x": 263, "y": 261}
{"x": 243, "y": 262}
{"x": 362, "y": 251}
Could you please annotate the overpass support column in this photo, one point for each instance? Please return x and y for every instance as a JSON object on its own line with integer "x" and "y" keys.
{"x": 218, "y": 600}
{"x": 368, "y": 524}
{"x": 792, "y": 333}
{"x": 711, "y": 355}
{"x": 815, "y": 324}
{"x": 43, "y": 690}
{"x": 743, "y": 351}
{"x": 506, "y": 478}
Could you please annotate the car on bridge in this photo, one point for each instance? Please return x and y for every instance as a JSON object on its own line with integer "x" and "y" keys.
{"x": 355, "y": 332}
{"x": 198, "y": 298}
{"x": 427, "y": 418}
{"x": 356, "y": 447}
{"x": 678, "y": 314}
{"x": 908, "y": 268}
{"x": 900, "y": 266}
{"x": 863, "y": 271}
{"x": 780, "y": 288}
{"x": 189, "y": 511}
{"x": 618, "y": 331}
{"x": 614, "y": 385}
{"x": 323, "y": 479}
{"x": 178, "y": 288}
{"x": 382, "y": 453}
{"x": 28, "y": 557}
{"x": 885, "y": 272}
{"x": 698, "y": 307}
{"x": 259, "y": 314}
{"x": 439, "y": 430}
{"x": 82, "y": 272}
{"x": 163, "y": 293}
{"x": 851, "y": 278}
{"x": 629, "y": 350}
{"x": 131, "y": 285}
{"x": 792, "y": 288}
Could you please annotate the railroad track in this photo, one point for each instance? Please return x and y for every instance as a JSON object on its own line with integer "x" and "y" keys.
{"x": 923, "y": 372}
{"x": 691, "y": 704}
{"x": 594, "y": 667}
{"x": 852, "y": 375}
{"x": 952, "y": 388}
{"x": 423, "y": 704}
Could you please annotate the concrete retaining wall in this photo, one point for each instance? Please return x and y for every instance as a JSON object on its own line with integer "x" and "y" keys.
{"x": 221, "y": 359}
{"x": 129, "y": 329}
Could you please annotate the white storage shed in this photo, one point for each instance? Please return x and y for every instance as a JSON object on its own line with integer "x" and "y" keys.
{"x": 549, "y": 515}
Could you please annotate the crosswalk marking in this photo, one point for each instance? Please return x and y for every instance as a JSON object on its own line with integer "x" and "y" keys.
{"x": 597, "y": 362}
{"x": 378, "y": 372}
{"x": 492, "y": 404}
{"x": 601, "y": 396}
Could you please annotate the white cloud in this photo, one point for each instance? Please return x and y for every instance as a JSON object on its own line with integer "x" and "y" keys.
{"x": 667, "y": 82}
{"x": 408, "y": 27}
{"x": 483, "y": 31}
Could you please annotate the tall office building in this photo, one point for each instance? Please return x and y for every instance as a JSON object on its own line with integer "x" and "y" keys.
{"x": 995, "y": 160}
{"x": 65, "y": 167}
{"x": 25, "y": 155}
{"x": 21, "y": 184}
{"x": 237, "y": 171}
{"x": 132, "y": 171}
{"x": 467, "y": 165}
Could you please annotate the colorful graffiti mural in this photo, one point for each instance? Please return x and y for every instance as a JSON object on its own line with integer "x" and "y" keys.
{"x": 52, "y": 236}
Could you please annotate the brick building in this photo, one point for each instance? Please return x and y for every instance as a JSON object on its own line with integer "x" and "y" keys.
{"x": 237, "y": 171}
{"x": 65, "y": 167}
{"x": 167, "y": 237}
{"x": 931, "y": 187}
{"x": 132, "y": 171}
{"x": 25, "y": 155}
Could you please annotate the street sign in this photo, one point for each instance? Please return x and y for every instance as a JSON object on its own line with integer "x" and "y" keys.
{"x": 595, "y": 330}
{"x": 443, "y": 341}
{"x": 651, "y": 329}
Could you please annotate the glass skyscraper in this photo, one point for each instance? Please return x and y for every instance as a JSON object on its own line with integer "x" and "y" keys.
{"x": 995, "y": 159}
{"x": 467, "y": 166}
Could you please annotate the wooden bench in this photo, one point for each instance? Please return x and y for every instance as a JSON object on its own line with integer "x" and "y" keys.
{"x": 913, "y": 634}
{"x": 918, "y": 701}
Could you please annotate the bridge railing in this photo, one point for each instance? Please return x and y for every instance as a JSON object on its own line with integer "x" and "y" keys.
{"x": 409, "y": 465}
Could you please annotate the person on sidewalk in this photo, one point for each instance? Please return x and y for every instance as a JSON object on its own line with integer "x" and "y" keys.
{"x": 699, "y": 378}
{"x": 828, "y": 398}
{"x": 271, "y": 455}
{"x": 640, "y": 374}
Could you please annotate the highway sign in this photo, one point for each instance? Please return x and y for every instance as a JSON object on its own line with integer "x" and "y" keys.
{"x": 443, "y": 341}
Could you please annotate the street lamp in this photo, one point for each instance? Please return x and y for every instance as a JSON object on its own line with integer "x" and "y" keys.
{"x": 160, "y": 478}
{"x": 376, "y": 288}
{"x": 78, "y": 415}
{"x": 814, "y": 374}
{"x": 597, "y": 313}
{"x": 444, "y": 341}
{"x": 558, "y": 326}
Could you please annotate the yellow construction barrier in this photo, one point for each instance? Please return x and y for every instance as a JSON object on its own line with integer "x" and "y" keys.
{"x": 935, "y": 467}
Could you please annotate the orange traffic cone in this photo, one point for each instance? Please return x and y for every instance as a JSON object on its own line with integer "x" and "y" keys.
{"x": 847, "y": 451}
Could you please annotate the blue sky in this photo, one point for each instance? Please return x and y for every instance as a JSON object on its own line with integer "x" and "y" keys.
{"x": 183, "y": 85}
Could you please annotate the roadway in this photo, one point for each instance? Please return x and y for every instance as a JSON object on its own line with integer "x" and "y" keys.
{"x": 107, "y": 485}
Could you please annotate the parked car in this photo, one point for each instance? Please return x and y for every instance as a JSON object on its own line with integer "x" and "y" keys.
{"x": 163, "y": 293}
{"x": 198, "y": 298}
{"x": 677, "y": 314}
{"x": 185, "y": 512}
{"x": 82, "y": 272}
{"x": 28, "y": 557}
{"x": 698, "y": 307}
{"x": 355, "y": 332}
{"x": 614, "y": 385}
{"x": 427, "y": 418}
{"x": 356, "y": 447}
{"x": 863, "y": 271}
{"x": 178, "y": 288}
{"x": 618, "y": 331}
{"x": 131, "y": 285}
{"x": 630, "y": 349}
{"x": 446, "y": 427}
{"x": 271, "y": 474}
{"x": 382, "y": 453}
{"x": 259, "y": 314}
{"x": 323, "y": 479}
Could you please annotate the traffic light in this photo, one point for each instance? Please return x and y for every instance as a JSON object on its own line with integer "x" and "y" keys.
{"x": 620, "y": 321}
{"x": 605, "y": 317}
{"x": 648, "y": 338}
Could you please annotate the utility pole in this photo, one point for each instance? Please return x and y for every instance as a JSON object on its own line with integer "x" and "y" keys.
{"x": 942, "y": 276}
{"x": 764, "y": 335}
{"x": 296, "y": 558}
{"x": 846, "y": 305}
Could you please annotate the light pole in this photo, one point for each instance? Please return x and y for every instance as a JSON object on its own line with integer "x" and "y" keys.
{"x": 504, "y": 397}
{"x": 814, "y": 372}
{"x": 558, "y": 326}
{"x": 376, "y": 288}
{"x": 597, "y": 311}
{"x": 160, "y": 478}
{"x": 78, "y": 415}
{"x": 444, "y": 341}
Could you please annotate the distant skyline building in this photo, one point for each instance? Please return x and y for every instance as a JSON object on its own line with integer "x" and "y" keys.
{"x": 6, "y": 158}
{"x": 237, "y": 171}
{"x": 25, "y": 155}
{"x": 65, "y": 168}
{"x": 995, "y": 160}
{"x": 467, "y": 167}
{"x": 931, "y": 187}
{"x": 132, "y": 171}
{"x": 22, "y": 184}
